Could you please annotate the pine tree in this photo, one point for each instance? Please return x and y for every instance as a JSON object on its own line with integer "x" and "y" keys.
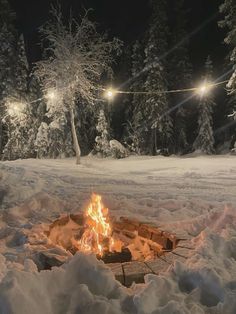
{"x": 7, "y": 49}
{"x": 179, "y": 74}
{"x": 6, "y": 59}
{"x": 180, "y": 131}
{"x": 156, "y": 117}
{"x": 102, "y": 146}
{"x": 21, "y": 68}
{"x": 205, "y": 139}
{"x": 18, "y": 116}
{"x": 119, "y": 116}
{"x": 228, "y": 8}
{"x": 42, "y": 141}
{"x": 16, "y": 140}
{"x": 136, "y": 124}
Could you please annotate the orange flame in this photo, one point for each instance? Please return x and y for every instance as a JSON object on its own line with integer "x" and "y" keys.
{"x": 97, "y": 235}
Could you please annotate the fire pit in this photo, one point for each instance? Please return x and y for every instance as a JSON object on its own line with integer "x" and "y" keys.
{"x": 129, "y": 247}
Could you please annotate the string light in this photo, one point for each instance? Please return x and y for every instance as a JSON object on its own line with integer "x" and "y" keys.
{"x": 202, "y": 89}
{"x": 51, "y": 94}
{"x": 110, "y": 93}
{"x": 16, "y": 109}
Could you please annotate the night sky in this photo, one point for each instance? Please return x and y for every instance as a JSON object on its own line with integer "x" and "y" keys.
{"x": 127, "y": 19}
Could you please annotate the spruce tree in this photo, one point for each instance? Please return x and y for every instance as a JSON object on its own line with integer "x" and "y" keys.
{"x": 136, "y": 124}
{"x": 8, "y": 49}
{"x": 17, "y": 123}
{"x": 42, "y": 141}
{"x": 102, "y": 146}
{"x": 21, "y": 68}
{"x": 158, "y": 122}
{"x": 179, "y": 74}
{"x": 18, "y": 116}
{"x": 6, "y": 60}
{"x": 205, "y": 138}
{"x": 228, "y": 8}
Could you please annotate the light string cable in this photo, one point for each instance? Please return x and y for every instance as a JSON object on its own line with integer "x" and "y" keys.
{"x": 174, "y": 91}
{"x": 192, "y": 89}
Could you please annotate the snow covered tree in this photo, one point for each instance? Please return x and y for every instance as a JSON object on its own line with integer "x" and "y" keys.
{"x": 228, "y": 8}
{"x": 77, "y": 57}
{"x": 7, "y": 34}
{"x": 102, "y": 146}
{"x": 21, "y": 68}
{"x": 155, "y": 114}
{"x": 120, "y": 110}
{"x": 8, "y": 51}
{"x": 180, "y": 131}
{"x": 20, "y": 136}
{"x": 18, "y": 119}
{"x": 179, "y": 73}
{"x": 205, "y": 138}
{"x": 42, "y": 141}
{"x": 136, "y": 125}
{"x": 15, "y": 132}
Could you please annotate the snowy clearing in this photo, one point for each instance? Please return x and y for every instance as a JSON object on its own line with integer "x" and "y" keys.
{"x": 196, "y": 195}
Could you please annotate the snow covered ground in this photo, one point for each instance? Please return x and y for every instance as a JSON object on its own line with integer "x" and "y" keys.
{"x": 195, "y": 195}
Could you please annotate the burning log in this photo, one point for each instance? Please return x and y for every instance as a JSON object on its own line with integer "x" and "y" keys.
{"x": 97, "y": 236}
{"x": 116, "y": 257}
{"x": 112, "y": 240}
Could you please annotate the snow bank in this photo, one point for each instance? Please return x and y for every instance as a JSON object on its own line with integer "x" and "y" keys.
{"x": 84, "y": 285}
{"x": 195, "y": 195}
{"x": 205, "y": 284}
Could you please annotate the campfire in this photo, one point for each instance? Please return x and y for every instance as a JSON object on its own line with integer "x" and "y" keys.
{"x": 97, "y": 236}
{"x": 112, "y": 240}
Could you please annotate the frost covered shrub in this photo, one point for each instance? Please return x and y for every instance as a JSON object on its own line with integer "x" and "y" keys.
{"x": 41, "y": 142}
{"x": 118, "y": 150}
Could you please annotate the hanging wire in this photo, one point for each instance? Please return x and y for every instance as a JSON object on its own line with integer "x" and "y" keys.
{"x": 174, "y": 91}
{"x": 166, "y": 91}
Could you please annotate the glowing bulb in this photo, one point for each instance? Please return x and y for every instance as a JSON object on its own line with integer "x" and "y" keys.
{"x": 203, "y": 89}
{"x": 110, "y": 93}
{"x": 51, "y": 94}
{"x": 16, "y": 109}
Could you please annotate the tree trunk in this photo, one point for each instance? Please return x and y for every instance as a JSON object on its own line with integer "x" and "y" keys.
{"x": 1, "y": 139}
{"x": 74, "y": 137}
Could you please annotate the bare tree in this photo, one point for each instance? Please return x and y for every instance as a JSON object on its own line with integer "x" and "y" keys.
{"x": 77, "y": 57}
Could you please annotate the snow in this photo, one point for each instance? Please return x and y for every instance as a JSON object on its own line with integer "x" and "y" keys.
{"x": 195, "y": 195}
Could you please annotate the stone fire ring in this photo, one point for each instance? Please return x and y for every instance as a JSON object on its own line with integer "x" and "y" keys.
{"x": 168, "y": 246}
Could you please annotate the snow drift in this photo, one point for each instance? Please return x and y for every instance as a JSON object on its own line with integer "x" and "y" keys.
{"x": 188, "y": 195}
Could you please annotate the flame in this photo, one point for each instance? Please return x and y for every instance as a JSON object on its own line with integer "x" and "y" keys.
{"x": 97, "y": 235}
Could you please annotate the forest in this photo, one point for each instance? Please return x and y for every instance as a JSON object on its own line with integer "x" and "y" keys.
{"x": 56, "y": 108}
